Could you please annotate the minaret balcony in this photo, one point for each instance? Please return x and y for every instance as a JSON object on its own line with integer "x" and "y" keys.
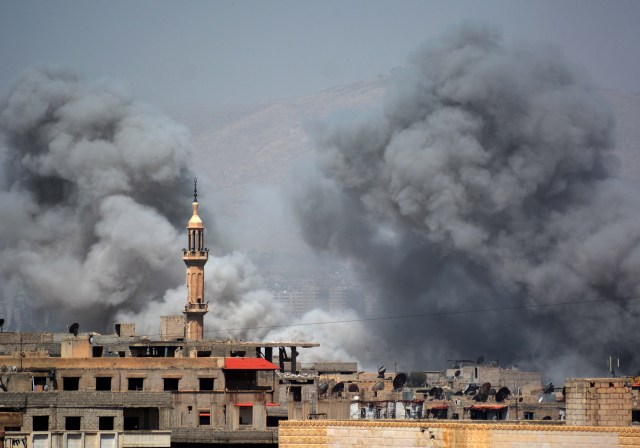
{"x": 196, "y": 308}
{"x": 196, "y": 255}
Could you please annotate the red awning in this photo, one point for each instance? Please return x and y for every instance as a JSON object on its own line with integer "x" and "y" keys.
{"x": 248, "y": 364}
{"x": 487, "y": 407}
{"x": 273, "y": 404}
{"x": 205, "y": 414}
{"x": 440, "y": 407}
{"x": 243, "y": 404}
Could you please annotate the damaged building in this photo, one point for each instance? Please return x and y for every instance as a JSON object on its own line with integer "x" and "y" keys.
{"x": 468, "y": 390}
{"x": 84, "y": 389}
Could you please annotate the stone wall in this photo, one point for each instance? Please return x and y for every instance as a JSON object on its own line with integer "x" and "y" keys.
{"x": 307, "y": 434}
{"x": 598, "y": 402}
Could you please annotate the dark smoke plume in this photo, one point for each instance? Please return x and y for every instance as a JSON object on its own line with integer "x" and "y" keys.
{"x": 95, "y": 192}
{"x": 485, "y": 180}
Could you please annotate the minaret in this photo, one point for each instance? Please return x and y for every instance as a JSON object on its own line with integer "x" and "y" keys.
{"x": 195, "y": 257}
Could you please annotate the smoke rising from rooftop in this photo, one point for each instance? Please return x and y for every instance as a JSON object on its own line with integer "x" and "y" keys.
{"x": 485, "y": 180}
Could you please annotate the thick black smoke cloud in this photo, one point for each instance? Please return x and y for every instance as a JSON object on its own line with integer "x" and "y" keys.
{"x": 485, "y": 180}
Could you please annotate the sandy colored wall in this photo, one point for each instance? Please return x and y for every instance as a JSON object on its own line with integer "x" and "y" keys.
{"x": 317, "y": 434}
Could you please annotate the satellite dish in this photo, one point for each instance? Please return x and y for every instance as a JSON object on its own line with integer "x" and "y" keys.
{"x": 338, "y": 388}
{"x": 378, "y": 386}
{"x": 471, "y": 389}
{"x": 480, "y": 360}
{"x": 433, "y": 391}
{"x": 457, "y": 374}
{"x": 381, "y": 371}
{"x": 353, "y": 388}
{"x": 91, "y": 340}
{"x": 502, "y": 394}
{"x": 399, "y": 381}
{"x": 323, "y": 388}
{"x": 73, "y": 328}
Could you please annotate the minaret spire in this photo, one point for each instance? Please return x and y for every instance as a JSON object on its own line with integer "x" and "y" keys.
{"x": 195, "y": 256}
{"x": 195, "y": 189}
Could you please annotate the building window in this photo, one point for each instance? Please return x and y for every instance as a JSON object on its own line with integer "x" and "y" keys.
{"x": 171, "y": 383}
{"x": 296, "y": 392}
{"x": 136, "y": 383}
{"x": 103, "y": 383}
{"x": 204, "y": 418}
{"x": 70, "y": 383}
{"x": 41, "y": 423}
{"x": 72, "y": 423}
{"x": 528, "y": 415}
{"x": 131, "y": 423}
{"x": 363, "y": 413}
{"x": 246, "y": 415}
{"x": 96, "y": 352}
{"x": 39, "y": 383}
{"x": 206, "y": 383}
{"x": 105, "y": 423}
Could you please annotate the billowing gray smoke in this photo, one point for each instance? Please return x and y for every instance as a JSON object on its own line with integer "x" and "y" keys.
{"x": 95, "y": 193}
{"x": 485, "y": 181}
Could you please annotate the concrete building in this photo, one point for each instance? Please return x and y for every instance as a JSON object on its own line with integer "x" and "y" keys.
{"x": 84, "y": 389}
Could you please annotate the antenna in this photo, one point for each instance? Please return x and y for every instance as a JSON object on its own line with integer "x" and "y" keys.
{"x": 73, "y": 328}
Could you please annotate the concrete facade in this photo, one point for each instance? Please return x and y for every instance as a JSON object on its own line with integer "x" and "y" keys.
{"x": 320, "y": 434}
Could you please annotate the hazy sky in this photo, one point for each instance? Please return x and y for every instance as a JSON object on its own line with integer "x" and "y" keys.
{"x": 185, "y": 52}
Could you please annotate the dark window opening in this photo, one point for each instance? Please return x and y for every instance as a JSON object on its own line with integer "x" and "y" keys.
{"x": 71, "y": 383}
{"x": 72, "y": 423}
{"x": 204, "y": 418}
{"x": 528, "y": 415}
{"x": 455, "y": 416}
{"x": 204, "y": 353}
{"x": 246, "y": 415}
{"x": 41, "y": 423}
{"x": 241, "y": 379}
{"x": 296, "y": 392}
{"x": 206, "y": 383}
{"x": 635, "y": 416}
{"x": 363, "y": 413}
{"x": 39, "y": 383}
{"x": 136, "y": 383}
{"x": 131, "y": 423}
{"x": 272, "y": 421}
{"x": 96, "y": 352}
{"x": 171, "y": 383}
{"x": 103, "y": 383}
{"x": 143, "y": 419}
{"x": 105, "y": 423}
